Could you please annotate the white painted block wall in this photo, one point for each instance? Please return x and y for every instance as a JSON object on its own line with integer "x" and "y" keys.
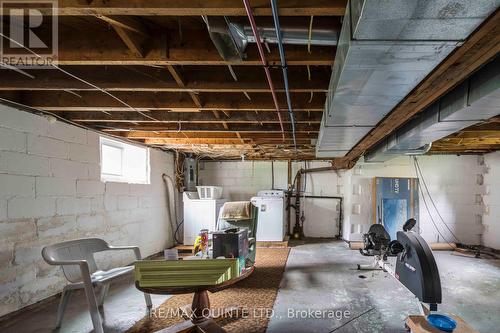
{"x": 242, "y": 180}
{"x": 491, "y": 216}
{"x": 50, "y": 191}
{"x": 453, "y": 181}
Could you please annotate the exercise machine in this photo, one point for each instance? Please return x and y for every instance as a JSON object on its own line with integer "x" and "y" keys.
{"x": 416, "y": 267}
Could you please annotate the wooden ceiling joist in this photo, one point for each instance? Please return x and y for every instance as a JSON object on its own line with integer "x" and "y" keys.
{"x": 479, "y": 138}
{"x": 203, "y": 141}
{"x": 196, "y": 79}
{"x": 198, "y": 8}
{"x": 146, "y": 101}
{"x": 189, "y": 127}
{"x": 167, "y": 48}
{"x": 166, "y": 67}
{"x": 193, "y": 141}
{"x": 188, "y": 117}
{"x": 180, "y": 83}
{"x": 272, "y": 137}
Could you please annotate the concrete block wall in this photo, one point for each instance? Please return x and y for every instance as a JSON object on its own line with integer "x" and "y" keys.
{"x": 241, "y": 180}
{"x": 455, "y": 184}
{"x": 452, "y": 182}
{"x": 50, "y": 191}
{"x": 491, "y": 216}
{"x": 322, "y": 216}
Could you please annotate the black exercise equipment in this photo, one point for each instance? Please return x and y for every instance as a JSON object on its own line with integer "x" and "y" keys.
{"x": 409, "y": 224}
{"x": 377, "y": 242}
{"x": 416, "y": 268}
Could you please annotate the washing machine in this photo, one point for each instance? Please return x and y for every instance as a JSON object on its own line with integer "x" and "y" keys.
{"x": 199, "y": 214}
{"x": 271, "y": 224}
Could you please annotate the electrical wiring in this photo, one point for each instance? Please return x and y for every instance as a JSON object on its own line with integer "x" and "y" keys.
{"x": 431, "y": 200}
{"x": 168, "y": 204}
{"x": 82, "y": 80}
{"x": 427, "y": 207}
{"x": 309, "y": 34}
{"x": 64, "y": 120}
{"x": 225, "y": 151}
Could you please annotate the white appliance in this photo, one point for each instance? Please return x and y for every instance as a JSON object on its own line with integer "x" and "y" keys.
{"x": 271, "y": 224}
{"x": 199, "y": 214}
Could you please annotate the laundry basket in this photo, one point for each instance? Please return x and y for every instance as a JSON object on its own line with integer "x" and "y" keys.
{"x": 209, "y": 192}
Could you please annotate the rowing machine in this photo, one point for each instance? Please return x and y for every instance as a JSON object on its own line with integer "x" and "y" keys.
{"x": 416, "y": 268}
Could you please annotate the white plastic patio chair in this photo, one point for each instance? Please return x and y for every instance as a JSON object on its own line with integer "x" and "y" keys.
{"x": 80, "y": 252}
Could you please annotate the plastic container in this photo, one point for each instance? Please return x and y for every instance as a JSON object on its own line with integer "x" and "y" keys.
{"x": 209, "y": 192}
{"x": 171, "y": 254}
{"x": 442, "y": 322}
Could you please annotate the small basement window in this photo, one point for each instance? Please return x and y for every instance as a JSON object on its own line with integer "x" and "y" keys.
{"x": 123, "y": 162}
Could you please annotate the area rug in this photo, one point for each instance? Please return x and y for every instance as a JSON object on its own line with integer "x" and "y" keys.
{"x": 255, "y": 295}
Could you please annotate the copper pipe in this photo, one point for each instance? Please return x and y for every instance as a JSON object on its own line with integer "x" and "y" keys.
{"x": 264, "y": 62}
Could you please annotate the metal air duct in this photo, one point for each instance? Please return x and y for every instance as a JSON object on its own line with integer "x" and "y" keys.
{"x": 231, "y": 38}
{"x": 385, "y": 49}
{"x": 475, "y": 100}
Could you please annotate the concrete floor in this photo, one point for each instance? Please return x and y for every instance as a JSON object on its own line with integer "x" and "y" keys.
{"x": 123, "y": 306}
{"x": 323, "y": 276}
{"x": 318, "y": 276}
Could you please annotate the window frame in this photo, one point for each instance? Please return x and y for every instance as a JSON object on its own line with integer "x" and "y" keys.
{"x": 124, "y": 177}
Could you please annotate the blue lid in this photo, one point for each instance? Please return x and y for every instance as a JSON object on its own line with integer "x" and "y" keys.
{"x": 442, "y": 322}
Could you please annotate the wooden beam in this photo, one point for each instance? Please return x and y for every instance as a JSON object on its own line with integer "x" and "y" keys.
{"x": 239, "y": 137}
{"x": 193, "y": 141}
{"x": 454, "y": 149}
{"x": 464, "y": 142}
{"x": 473, "y": 134}
{"x": 217, "y": 116}
{"x": 481, "y": 46}
{"x": 221, "y": 141}
{"x": 189, "y": 117}
{"x": 167, "y": 48}
{"x": 133, "y": 42}
{"x": 197, "y": 8}
{"x": 180, "y": 82}
{"x": 196, "y": 78}
{"x": 270, "y": 137}
{"x": 146, "y": 101}
{"x": 126, "y": 23}
{"x": 189, "y": 127}
{"x": 131, "y": 31}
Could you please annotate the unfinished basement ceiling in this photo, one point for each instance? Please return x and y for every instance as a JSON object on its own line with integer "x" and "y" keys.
{"x": 385, "y": 50}
{"x": 182, "y": 94}
{"x": 172, "y": 88}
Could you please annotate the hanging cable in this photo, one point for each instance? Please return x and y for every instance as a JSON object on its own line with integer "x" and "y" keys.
{"x": 264, "y": 62}
{"x": 431, "y": 200}
{"x": 309, "y": 35}
{"x": 274, "y": 8}
{"x": 427, "y": 207}
{"x": 82, "y": 80}
{"x": 172, "y": 219}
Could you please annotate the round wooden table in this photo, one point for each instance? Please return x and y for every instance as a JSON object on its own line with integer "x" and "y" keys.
{"x": 200, "y": 306}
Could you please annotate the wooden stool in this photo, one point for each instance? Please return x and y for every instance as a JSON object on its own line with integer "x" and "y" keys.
{"x": 419, "y": 324}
